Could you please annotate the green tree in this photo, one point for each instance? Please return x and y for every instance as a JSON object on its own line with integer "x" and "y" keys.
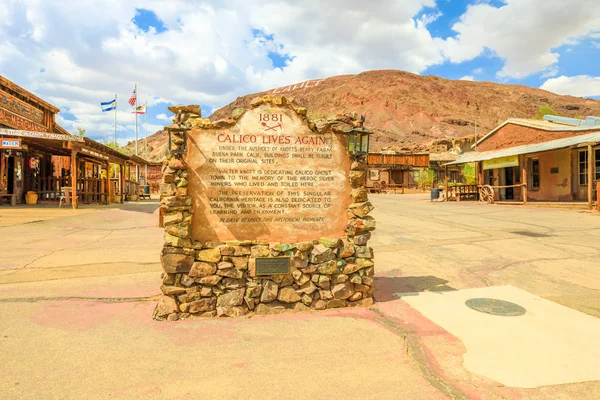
{"x": 544, "y": 110}
{"x": 426, "y": 177}
{"x": 468, "y": 171}
{"x": 80, "y": 131}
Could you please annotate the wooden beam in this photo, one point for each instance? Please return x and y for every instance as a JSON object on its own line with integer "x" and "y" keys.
{"x": 122, "y": 182}
{"x": 74, "y": 178}
{"x": 524, "y": 176}
{"x": 590, "y": 176}
{"x": 445, "y": 183}
{"x": 479, "y": 173}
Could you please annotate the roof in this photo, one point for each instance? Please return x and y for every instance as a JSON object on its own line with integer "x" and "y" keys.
{"x": 551, "y": 124}
{"x": 138, "y": 160}
{"x": 28, "y": 95}
{"x": 105, "y": 149}
{"x": 528, "y": 148}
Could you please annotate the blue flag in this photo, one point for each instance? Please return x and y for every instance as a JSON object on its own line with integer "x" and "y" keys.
{"x": 109, "y": 105}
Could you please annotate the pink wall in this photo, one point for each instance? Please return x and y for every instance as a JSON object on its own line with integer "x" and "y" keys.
{"x": 553, "y": 187}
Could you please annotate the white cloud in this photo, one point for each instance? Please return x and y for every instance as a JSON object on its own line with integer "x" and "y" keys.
{"x": 478, "y": 71}
{"x": 551, "y": 71}
{"x": 580, "y": 85}
{"x": 208, "y": 55}
{"x": 522, "y": 32}
{"x": 467, "y": 78}
{"x": 163, "y": 117}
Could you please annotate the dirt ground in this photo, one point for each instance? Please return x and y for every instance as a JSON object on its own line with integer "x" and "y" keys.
{"x": 77, "y": 290}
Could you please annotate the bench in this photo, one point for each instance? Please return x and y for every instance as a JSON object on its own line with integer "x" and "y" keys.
{"x": 13, "y": 198}
{"x": 143, "y": 195}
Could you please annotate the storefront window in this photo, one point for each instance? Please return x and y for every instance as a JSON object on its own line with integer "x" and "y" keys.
{"x": 583, "y": 167}
{"x": 598, "y": 165}
{"x": 534, "y": 171}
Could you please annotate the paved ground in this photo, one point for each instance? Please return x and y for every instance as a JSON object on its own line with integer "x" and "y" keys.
{"x": 77, "y": 289}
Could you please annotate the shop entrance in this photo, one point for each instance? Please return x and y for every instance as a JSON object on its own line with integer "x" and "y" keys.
{"x": 14, "y": 176}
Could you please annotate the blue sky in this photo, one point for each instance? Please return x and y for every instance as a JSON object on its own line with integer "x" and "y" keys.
{"x": 209, "y": 52}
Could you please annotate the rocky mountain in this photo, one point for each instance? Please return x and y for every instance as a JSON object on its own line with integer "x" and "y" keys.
{"x": 408, "y": 111}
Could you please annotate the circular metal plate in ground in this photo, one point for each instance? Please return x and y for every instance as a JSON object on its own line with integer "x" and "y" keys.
{"x": 496, "y": 307}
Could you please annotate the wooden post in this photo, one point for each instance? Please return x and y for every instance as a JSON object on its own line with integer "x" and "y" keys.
{"x": 590, "y": 176}
{"x": 479, "y": 173}
{"x": 446, "y": 183}
{"x": 598, "y": 195}
{"x": 74, "y": 178}
{"x": 122, "y": 182}
{"x": 524, "y": 175}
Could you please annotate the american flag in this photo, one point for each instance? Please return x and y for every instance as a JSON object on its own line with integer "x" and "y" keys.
{"x": 131, "y": 100}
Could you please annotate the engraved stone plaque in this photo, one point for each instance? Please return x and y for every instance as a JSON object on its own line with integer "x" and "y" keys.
{"x": 268, "y": 177}
{"x": 272, "y": 266}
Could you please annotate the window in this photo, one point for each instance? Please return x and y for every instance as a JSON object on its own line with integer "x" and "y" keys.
{"x": 534, "y": 174}
{"x": 490, "y": 177}
{"x": 416, "y": 175}
{"x": 583, "y": 167}
{"x": 374, "y": 174}
{"x": 598, "y": 165}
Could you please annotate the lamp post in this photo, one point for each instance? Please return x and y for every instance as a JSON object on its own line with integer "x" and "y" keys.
{"x": 177, "y": 141}
{"x": 358, "y": 139}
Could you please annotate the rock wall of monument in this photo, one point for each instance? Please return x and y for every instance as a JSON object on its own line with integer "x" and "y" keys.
{"x": 218, "y": 278}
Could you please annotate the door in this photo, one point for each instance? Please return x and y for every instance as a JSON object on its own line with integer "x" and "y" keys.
{"x": 509, "y": 178}
{"x": 15, "y": 176}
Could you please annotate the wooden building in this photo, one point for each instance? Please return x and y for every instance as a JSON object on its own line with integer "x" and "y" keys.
{"x": 39, "y": 156}
{"x": 395, "y": 170}
{"x": 554, "y": 160}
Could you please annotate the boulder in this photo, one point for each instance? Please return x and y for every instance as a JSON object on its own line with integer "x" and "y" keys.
{"x": 269, "y": 308}
{"x": 210, "y": 255}
{"x": 171, "y": 290}
{"x": 269, "y": 292}
{"x": 343, "y": 290}
{"x": 202, "y": 305}
{"x": 321, "y": 254}
{"x": 288, "y": 295}
{"x": 233, "y": 298}
{"x": 174, "y": 263}
{"x": 166, "y": 305}
{"x": 202, "y": 269}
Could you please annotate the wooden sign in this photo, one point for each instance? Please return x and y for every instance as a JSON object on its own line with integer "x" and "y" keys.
{"x": 40, "y": 135}
{"x": 21, "y": 108}
{"x": 11, "y": 144}
{"x": 14, "y": 121}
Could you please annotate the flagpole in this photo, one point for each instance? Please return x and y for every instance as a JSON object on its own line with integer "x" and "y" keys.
{"x": 137, "y": 168}
{"x": 146, "y": 142}
{"x": 115, "y": 170}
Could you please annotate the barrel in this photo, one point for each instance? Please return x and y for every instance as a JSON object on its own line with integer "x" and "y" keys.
{"x": 147, "y": 189}
{"x": 435, "y": 194}
{"x": 31, "y": 197}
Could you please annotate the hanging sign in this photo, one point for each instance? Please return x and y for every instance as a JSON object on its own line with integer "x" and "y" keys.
{"x": 11, "y": 144}
{"x": 502, "y": 162}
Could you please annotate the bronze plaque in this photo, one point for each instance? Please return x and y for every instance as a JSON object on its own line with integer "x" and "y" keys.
{"x": 268, "y": 177}
{"x": 272, "y": 266}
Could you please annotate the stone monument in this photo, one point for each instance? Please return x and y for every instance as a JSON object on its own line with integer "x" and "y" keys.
{"x": 263, "y": 212}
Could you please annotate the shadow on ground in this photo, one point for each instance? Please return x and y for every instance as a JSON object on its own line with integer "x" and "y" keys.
{"x": 386, "y": 287}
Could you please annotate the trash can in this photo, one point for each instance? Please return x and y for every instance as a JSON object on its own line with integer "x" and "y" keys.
{"x": 31, "y": 198}
{"x": 147, "y": 189}
{"x": 435, "y": 194}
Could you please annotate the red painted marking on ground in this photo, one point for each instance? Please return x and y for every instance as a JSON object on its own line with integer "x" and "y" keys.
{"x": 78, "y": 316}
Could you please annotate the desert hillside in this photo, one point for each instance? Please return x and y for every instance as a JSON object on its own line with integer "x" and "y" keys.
{"x": 408, "y": 111}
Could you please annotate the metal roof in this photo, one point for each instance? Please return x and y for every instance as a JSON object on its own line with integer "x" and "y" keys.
{"x": 528, "y": 148}
{"x": 545, "y": 125}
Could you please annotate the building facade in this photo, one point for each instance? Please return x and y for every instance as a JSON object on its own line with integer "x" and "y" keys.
{"x": 554, "y": 160}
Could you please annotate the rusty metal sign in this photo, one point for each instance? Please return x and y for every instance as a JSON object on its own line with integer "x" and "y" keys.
{"x": 272, "y": 266}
